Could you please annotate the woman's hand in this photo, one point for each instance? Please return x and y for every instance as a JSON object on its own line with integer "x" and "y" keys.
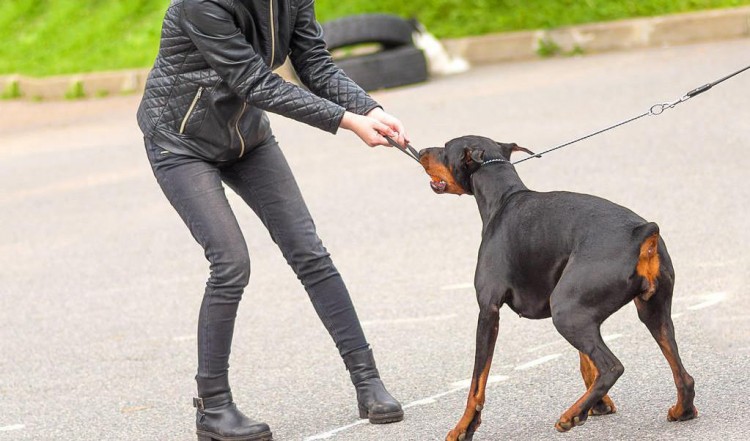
{"x": 396, "y": 126}
{"x": 370, "y": 130}
{"x": 374, "y": 126}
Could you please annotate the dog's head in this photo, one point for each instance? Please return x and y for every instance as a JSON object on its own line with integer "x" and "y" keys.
{"x": 451, "y": 167}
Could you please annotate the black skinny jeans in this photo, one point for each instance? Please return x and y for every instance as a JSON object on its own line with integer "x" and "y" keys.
{"x": 265, "y": 182}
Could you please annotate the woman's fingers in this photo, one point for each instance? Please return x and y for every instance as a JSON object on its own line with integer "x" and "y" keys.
{"x": 381, "y": 131}
{"x": 401, "y": 140}
{"x": 398, "y": 127}
{"x": 373, "y": 129}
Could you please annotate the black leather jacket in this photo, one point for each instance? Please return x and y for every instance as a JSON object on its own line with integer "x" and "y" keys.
{"x": 213, "y": 80}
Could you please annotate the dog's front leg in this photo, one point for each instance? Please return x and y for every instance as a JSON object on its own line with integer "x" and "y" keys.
{"x": 486, "y": 337}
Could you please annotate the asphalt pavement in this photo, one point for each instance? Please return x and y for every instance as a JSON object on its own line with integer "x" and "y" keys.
{"x": 100, "y": 282}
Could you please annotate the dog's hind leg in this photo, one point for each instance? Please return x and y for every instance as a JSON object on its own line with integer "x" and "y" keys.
{"x": 487, "y": 328}
{"x": 656, "y": 315}
{"x": 605, "y": 406}
{"x": 588, "y": 340}
{"x": 579, "y": 324}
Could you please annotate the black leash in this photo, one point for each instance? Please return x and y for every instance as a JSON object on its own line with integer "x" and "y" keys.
{"x": 655, "y": 110}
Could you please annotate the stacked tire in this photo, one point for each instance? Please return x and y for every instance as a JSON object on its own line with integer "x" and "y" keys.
{"x": 398, "y": 63}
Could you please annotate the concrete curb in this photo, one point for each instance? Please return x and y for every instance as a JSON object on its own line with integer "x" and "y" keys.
{"x": 91, "y": 85}
{"x": 589, "y": 38}
{"x": 607, "y": 36}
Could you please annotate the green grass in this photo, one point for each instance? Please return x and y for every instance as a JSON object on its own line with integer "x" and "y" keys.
{"x": 47, "y": 37}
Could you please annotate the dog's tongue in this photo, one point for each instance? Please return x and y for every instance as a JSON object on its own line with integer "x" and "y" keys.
{"x": 438, "y": 186}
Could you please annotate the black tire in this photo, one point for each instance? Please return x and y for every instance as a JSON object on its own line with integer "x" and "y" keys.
{"x": 390, "y": 68}
{"x": 389, "y": 30}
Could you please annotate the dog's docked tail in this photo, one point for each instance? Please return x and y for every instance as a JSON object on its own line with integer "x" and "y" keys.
{"x": 648, "y": 258}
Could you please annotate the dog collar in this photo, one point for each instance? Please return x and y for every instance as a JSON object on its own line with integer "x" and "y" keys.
{"x": 490, "y": 161}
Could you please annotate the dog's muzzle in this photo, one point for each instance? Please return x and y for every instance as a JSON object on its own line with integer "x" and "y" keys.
{"x": 438, "y": 186}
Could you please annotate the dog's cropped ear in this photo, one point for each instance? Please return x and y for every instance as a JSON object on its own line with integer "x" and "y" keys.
{"x": 518, "y": 148}
{"x": 510, "y": 148}
{"x": 475, "y": 155}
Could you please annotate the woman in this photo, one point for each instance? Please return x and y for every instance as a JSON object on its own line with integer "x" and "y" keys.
{"x": 204, "y": 123}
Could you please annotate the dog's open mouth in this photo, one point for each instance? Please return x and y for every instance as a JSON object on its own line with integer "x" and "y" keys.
{"x": 438, "y": 186}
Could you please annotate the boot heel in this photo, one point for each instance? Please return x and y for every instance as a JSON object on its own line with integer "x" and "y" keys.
{"x": 363, "y": 413}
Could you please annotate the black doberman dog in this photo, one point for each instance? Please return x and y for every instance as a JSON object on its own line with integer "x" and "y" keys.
{"x": 574, "y": 257}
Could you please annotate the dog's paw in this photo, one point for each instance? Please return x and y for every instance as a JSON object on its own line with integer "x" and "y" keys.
{"x": 604, "y": 407}
{"x": 678, "y": 413}
{"x": 458, "y": 434}
{"x": 566, "y": 423}
{"x": 455, "y": 435}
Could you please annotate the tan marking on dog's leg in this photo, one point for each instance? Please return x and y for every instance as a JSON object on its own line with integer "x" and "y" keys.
{"x": 589, "y": 374}
{"x": 684, "y": 409}
{"x": 656, "y": 316}
{"x": 472, "y": 417}
{"x": 588, "y": 370}
{"x": 474, "y": 404}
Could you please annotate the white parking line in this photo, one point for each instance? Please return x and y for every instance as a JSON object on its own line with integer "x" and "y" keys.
{"x": 546, "y": 345}
{"x": 491, "y": 379}
{"x": 561, "y": 341}
{"x": 330, "y": 433}
{"x": 13, "y": 427}
{"x": 713, "y": 299}
{"x": 432, "y": 399}
{"x": 537, "y": 362}
{"x": 611, "y": 337}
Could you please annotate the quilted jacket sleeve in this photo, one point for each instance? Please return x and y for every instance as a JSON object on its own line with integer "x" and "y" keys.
{"x": 211, "y": 27}
{"x": 316, "y": 69}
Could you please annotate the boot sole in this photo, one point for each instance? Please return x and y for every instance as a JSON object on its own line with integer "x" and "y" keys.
{"x": 206, "y": 436}
{"x": 385, "y": 418}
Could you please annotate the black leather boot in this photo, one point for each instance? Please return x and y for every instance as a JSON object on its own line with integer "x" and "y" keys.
{"x": 375, "y": 403}
{"x": 218, "y": 419}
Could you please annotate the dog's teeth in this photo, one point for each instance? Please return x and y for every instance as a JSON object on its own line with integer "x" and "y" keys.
{"x": 462, "y": 437}
{"x": 479, "y": 407}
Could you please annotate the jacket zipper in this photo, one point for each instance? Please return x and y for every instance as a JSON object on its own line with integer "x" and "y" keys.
{"x": 190, "y": 110}
{"x": 273, "y": 35}
{"x": 237, "y": 129}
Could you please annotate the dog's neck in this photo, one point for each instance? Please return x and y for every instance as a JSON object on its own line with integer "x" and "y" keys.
{"x": 493, "y": 184}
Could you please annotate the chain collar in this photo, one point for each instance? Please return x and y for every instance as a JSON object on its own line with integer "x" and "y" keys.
{"x": 490, "y": 161}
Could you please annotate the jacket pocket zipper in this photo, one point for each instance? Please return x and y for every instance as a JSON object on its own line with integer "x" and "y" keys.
{"x": 191, "y": 109}
{"x": 237, "y": 129}
{"x": 273, "y": 35}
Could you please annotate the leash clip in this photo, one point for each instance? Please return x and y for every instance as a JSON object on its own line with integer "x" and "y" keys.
{"x": 658, "y": 109}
